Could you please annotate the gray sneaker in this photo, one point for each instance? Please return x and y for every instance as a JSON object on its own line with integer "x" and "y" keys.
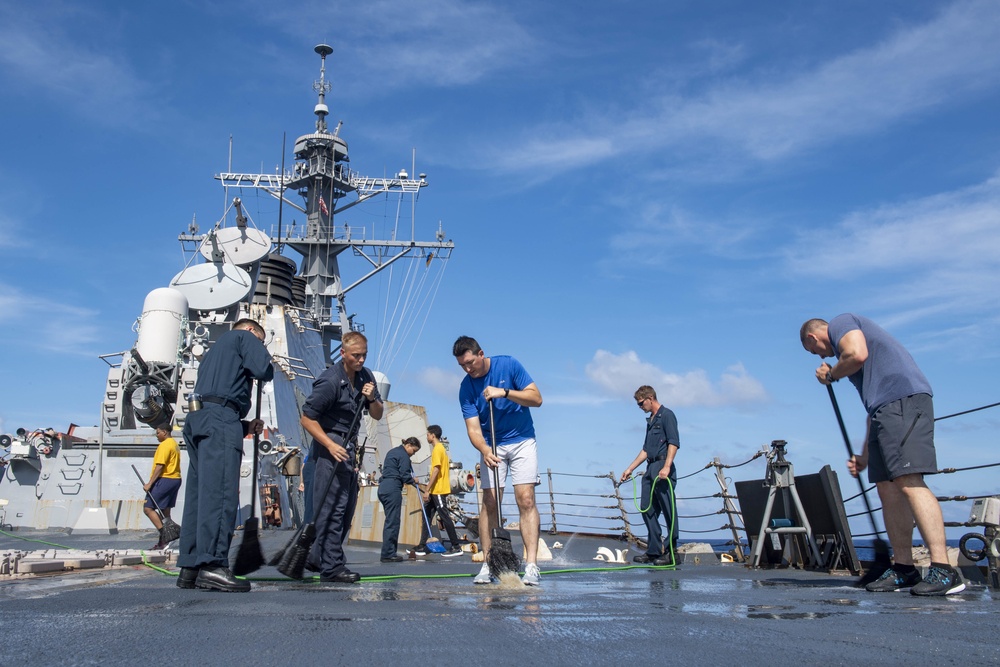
{"x": 484, "y": 576}
{"x": 532, "y": 577}
{"x": 892, "y": 581}
{"x": 939, "y": 581}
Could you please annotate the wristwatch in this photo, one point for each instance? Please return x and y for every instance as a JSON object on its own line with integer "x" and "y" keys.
{"x": 506, "y": 392}
{"x": 829, "y": 376}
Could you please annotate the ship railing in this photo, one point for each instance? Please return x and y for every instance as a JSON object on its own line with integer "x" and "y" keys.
{"x": 111, "y": 355}
{"x": 342, "y": 234}
{"x": 601, "y": 505}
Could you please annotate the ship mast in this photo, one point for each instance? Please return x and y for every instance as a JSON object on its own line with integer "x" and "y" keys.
{"x": 323, "y": 177}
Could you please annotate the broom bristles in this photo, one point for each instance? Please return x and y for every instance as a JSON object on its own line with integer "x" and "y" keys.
{"x": 171, "y": 530}
{"x": 501, "y": 557}
{"x": 280, "y": 553}
{"x": 293, "y": 562}
{"x": 249, "y": 557}
{"x": 434, "y": 546}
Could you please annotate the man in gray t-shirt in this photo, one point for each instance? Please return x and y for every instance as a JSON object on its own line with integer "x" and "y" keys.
{"x": 899, "y": 445}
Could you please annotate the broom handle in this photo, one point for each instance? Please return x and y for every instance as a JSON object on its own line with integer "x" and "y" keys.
{"x": 850, "y": 452}
{"x": 256, "y": 444}
{"x": 423, "y": 510}
{"x": 496, "y": 470}
{"x": 350, "y": 431}
{"x": 143, "y": 482}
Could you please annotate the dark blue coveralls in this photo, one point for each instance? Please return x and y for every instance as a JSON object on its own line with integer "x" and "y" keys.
{"x": 214, "y": 437}
{"x": 661, "y": 430}
{"x": 332, "y": 404}
{"x": 396, "y": 471}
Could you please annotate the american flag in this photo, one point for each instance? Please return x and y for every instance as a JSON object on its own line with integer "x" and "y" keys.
{"x": 322, "y": 206}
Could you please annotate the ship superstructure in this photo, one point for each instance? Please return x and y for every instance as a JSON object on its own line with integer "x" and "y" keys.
{"x": 238, "y": 270}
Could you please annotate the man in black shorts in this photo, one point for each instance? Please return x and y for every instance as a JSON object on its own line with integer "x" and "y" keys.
{"x": 899, "y": 447}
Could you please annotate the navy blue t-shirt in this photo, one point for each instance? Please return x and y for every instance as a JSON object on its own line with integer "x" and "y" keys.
{"x": 889, "y": 373}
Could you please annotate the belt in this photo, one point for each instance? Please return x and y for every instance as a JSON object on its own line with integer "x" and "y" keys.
{"x": 656, "y": 458}
{"x": 343, "y": 436}
{"x": 224, "y": 402}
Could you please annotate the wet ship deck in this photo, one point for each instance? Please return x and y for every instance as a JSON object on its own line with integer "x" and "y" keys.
{"x": 705, "y": 613}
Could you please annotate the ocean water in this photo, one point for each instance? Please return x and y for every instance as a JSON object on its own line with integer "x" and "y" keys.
{"x": 865, "y": 548}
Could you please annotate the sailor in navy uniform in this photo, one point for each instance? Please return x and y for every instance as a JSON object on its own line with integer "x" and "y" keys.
{"x": 327, "y": 415}
{"x": 214, "y": 437}
{"x": 658, "y": 451}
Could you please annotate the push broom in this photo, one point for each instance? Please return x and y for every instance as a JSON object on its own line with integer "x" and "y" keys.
{"x": 433, "y": 544}
{"x": 501, "y": 557}
{"x": 292, "y": 559}
{"x": 882, "y": 561}
{"x": 171, "y": 530}
{"x": 250, "y": 556}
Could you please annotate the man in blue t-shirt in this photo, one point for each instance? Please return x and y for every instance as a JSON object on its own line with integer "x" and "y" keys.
{"x": 899, "y": 445}
{"x": 503, "y": 381}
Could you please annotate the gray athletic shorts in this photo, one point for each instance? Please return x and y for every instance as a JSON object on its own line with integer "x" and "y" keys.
{"x": 901, "y": 439}
{"x": 520, "y": 459}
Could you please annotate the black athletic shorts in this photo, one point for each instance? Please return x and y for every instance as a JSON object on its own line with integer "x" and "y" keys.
{"x": 901, "y": 439}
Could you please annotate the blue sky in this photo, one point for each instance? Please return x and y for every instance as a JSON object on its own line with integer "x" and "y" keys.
{"x": 639, "y": 192}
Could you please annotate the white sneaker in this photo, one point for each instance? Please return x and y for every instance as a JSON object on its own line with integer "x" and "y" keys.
{"x": 484, "y": 576}
{"x": 531, "y": 575}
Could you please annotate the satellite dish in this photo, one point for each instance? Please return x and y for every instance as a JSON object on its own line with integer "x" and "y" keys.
{"x": 240, "y": 246}
{"x": 212, "y": 286}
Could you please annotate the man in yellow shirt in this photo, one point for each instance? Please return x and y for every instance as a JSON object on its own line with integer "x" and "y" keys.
{"x": 164, "y": 481}
{"x": 437, "y": 489}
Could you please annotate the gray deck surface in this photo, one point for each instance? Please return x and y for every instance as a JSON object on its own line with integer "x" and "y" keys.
{"x": 706, "y": 614}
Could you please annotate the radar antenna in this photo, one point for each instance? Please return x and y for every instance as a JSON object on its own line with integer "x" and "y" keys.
{"x": 322, "y": 86}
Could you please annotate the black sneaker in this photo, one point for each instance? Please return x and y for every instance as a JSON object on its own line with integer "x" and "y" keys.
{"x": 420, "y": 550}
{"x": 395, "y": 558}
{"x": 939, "y": 581}
{"x": 451, "y": 553}
{"x": 892, "y": 581}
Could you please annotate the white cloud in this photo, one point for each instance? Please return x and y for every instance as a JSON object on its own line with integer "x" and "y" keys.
{"x": 435, "y": 42}
{"x": 30, "y": 323}
{"x": 440, "y": 381}
{"x": 51, "y": 57}
{"x": 958, "y": 230}
{"x": 754, "y": 118}
{"x": 622, "y": 374}
{"x": 933, "y": 255}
